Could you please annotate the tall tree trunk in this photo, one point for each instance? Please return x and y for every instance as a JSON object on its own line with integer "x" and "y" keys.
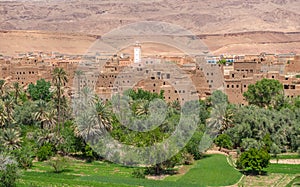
{"x": 58, "y": 111}
{"x": 42, "y": 125}
{"x": 79, "y": 86}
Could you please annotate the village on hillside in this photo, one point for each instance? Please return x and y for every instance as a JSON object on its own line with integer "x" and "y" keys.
{"x": 107, "y": 74}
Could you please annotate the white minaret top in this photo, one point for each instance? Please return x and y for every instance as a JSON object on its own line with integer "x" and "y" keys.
{"x": 137, "y": 52}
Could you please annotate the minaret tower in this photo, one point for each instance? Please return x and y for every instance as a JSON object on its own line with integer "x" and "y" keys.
{"x": 137, "y": 52}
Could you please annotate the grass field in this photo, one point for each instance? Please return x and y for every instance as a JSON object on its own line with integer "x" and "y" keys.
{"x": 284, "y": 168}
{"x": 277, "y": 175}
{"x": 294, "y": 182}
{"x": 212, "y": 170}
{"x": 272, "y": 179}
{"x": 287, "y": 156}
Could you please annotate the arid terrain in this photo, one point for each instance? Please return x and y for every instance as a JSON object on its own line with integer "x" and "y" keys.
{"x": 225, "y": 26}
{"x": 199, "y": 16}
{"x": 14, "y": 42}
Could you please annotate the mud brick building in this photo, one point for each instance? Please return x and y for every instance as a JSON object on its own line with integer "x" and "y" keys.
{"x": 256, "y": 67}
{"x": 180, "y": 77}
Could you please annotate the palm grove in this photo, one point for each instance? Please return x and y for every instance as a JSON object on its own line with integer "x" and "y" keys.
{"x": 38, "y": 123}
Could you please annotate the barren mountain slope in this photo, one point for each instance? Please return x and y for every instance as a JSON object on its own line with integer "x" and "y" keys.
{"x": 199, "y": 16}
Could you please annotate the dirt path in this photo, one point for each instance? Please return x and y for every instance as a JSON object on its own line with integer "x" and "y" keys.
{"x": 215, "y": 152}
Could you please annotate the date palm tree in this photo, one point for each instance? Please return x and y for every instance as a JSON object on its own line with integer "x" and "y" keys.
{"x": 48, "y": 137}
{"x": 51, "y": 120}
{"x": 2, "y": 88}
{"x": 11, "y": 138}
{"x": 41, "y": 114}
{"x": 104, "y": 114}
{"x": 142, "y": 107}
{"x": 87, "y": 128}
{"x": 78, "y": 74}
{"x": 3, "y": 116}
{"x": 95, "y": 117}
{"x": 8, "y": 104}
{"x": 59, "y": 80}
{"x": 17, "y": 91}
{"x": 227, "y": 121}
{"x": 174, "y": 107}
{"x": 217, "y": 119}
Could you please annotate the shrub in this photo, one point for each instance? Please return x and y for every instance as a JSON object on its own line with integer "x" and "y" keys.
{"x": 8, "y": 171}
{"x": 193, "y": 145}
{"x": 188, "y": 159}
{"x": 138, "y": 173}
{"x": 58, "y": 163}
{"x": 223, "y": 140}
{"x": 25, "y": 154}
{"x": 253, "y": 160}
{"x": 70, "y": 143}
{"x": 165, "y": 167}
{"x": 89, "y": 154}
{"x": 24, "y": 157}
{"x": 45, "y": 152}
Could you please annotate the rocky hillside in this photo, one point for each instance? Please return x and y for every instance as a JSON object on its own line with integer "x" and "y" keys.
{"x": 199, "y": 16}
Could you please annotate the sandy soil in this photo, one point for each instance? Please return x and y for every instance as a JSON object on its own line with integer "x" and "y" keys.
{"x": 14, "y": 42}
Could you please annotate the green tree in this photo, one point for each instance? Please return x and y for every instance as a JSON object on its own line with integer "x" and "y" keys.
{"x": 142, "y": 94}
{"x": 40, "y": 91}
{"x": 222, "y": 61}
{"x": 223, "y": 140}
{"x": 252, "y": 125}
{"x": 193, "y": 145}
{"x": 253, "y": 160}
{"x": 268, "y": 142}
{"x": 45, "y": 152}
{"x": 70, "y": 143}
{"x": 296, "y": 102}
{"x": 248, "y": 143}
{"x": 275, "y": 150}
{"x": 137, "y": 103}
{"x": 24, "y": 113}
{"x": 263, "y": 92}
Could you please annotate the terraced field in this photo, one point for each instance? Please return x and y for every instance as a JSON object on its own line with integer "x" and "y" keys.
{"x": 212, "y": 170}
